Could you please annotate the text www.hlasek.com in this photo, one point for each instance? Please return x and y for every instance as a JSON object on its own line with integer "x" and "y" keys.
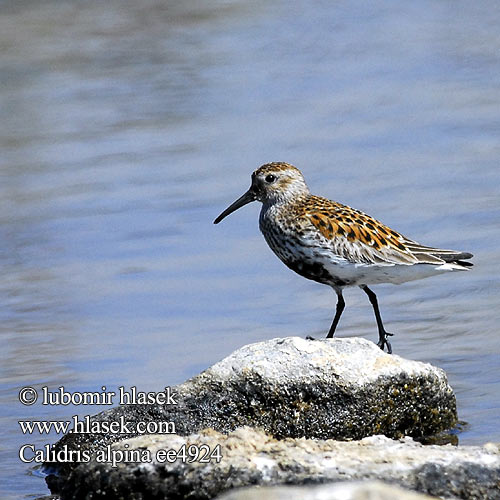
{"x": 112, "y": 454}
{"x": 88, "y": 426}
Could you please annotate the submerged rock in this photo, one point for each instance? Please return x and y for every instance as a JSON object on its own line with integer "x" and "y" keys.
{"x": 291, "y": 387}
{"x": 250, "y": 457}
{"x": 346, "y": 490}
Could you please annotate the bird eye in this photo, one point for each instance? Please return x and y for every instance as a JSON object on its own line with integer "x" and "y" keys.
{"x": 270, "y": 178}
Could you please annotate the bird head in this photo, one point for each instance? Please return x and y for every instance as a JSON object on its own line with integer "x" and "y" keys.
{"x": 272, "y": 183}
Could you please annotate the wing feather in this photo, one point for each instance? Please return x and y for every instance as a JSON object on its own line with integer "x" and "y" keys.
{"x": 357, "y": 237}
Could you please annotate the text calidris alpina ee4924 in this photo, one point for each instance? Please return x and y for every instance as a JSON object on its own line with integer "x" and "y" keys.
{"x": 336, "y": 245}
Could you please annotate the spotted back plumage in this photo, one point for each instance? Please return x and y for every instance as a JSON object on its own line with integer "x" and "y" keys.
{"x": 359, "y": 237}
{"x": 350, "y": 233}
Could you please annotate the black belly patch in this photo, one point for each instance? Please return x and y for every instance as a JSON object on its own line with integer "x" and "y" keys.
{"x": 314, "y": 271}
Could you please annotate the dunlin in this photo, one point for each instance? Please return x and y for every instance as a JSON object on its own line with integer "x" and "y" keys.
{"x": 336, "y": 245}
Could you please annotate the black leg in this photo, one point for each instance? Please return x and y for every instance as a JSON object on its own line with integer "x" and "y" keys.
{"x": 338, "y": 313}
{"x": 382, "y": 334}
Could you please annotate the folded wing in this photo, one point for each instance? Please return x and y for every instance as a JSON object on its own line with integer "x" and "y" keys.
{"x": 357, "y": 237}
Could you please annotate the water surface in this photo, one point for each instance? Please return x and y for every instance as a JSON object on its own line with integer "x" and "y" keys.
{"x": 128, "y": 126}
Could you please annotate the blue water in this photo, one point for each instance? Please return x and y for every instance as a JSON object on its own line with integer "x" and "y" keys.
{"x": 128, "y": 126}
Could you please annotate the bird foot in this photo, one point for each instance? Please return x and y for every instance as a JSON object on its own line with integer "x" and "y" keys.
{"x": 384, "y": 342}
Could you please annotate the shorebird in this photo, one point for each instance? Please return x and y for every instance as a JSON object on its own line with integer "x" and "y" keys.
{"x": 337, "y": 245}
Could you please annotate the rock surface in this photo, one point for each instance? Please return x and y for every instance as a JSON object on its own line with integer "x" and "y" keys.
{"x": 251, "y": 457}
{"x": 292, "y": 387}
{"x": 348, "y": 490}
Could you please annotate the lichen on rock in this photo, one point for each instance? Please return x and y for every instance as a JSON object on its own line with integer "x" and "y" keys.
{"x": 339, "y": 389}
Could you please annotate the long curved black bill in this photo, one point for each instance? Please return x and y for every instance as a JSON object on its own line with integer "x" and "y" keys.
{"x": 248, "y": 197}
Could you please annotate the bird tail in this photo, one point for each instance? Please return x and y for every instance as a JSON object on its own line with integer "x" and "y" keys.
{"x": 458, "y": 259}
{"x": 449, "y": 259}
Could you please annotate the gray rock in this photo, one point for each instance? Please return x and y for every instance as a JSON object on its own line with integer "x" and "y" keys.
{"x": 336, "y": 388}
{"x": 251, "y": 457}
{"x": 291, "y": 387}
{"x": 347, "y": 490}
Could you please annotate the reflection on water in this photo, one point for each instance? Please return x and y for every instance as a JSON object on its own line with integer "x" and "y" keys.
{"x": 128, "y": 126}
